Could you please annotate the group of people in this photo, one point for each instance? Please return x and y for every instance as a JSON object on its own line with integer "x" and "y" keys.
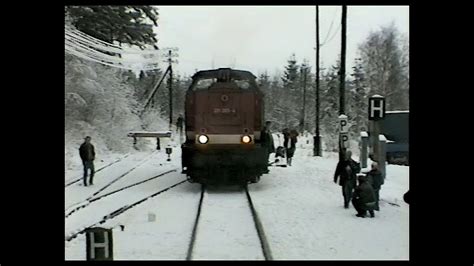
{"x": 365, "y": 194}
{"x": 289, "y": 143}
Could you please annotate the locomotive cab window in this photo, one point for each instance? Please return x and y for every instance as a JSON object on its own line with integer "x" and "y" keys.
{"x": 243, "y": 84}
{"x": 223, "y": 78}
{"x": 204, "y": 84}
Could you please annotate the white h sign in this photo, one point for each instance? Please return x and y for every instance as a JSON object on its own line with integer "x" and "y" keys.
{"x": 376, "y": 107}
{"x": 94, "y": 245}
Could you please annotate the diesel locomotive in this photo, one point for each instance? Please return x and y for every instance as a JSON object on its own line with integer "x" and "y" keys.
{"x": 224, "y": 112}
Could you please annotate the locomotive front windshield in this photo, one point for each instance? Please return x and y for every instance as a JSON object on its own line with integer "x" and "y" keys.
{"x": 204, "y": 84}
{"x": 206, "y": 80}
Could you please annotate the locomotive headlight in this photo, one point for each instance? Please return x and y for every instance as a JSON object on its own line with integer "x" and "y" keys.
{"x": 246, "y": 139}
{"x": 203, "y": 139}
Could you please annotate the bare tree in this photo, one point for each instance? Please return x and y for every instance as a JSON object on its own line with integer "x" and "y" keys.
{"x": 383, "y": 64}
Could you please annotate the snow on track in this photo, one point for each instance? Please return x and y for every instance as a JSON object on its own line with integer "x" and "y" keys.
{"x": 166, "y": 238}
{"x": 226, "y": 229}
{"x": 96, "y": 210}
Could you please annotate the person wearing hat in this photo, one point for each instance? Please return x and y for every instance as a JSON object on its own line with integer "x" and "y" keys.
{"x": 375, "y": 178}
{"x": 87, "y": 153}
{"x": 364, "y": 197}
{"x": 346, "y": 171}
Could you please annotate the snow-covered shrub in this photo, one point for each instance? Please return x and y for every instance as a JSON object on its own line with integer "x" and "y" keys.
{"x": 100, "y": 102}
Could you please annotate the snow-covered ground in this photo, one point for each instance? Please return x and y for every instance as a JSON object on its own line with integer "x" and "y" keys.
{"x": 235, "y": 230}
{"x": 300, "y": 207}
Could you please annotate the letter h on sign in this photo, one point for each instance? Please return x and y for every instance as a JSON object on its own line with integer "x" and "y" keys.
{"x": 376, "y": 107}
{"x": 99, "y": 244}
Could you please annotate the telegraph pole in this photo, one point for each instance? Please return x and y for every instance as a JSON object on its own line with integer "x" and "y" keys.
{"x": 170, "y": 61}
{"x": 304, "y": 70}
{"x": 343, "y": 62}
{"x": 343, "y": 74}
{"x": 151, "y": 97}
{"x": 317, "y": 138}
{"x": 170, "y": 88}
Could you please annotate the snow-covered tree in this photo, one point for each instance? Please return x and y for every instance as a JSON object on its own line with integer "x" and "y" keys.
{"x": 99, "y": 102}
{"x": 381, "y": 56}
{"x": 291, "y": 75}
{"x": 359, "y": 99}
{"x": 265, "y": 86}
{"x": 330, "y": 106}
{"x": 131, "y": 25}
{"x": 288, "y": 109}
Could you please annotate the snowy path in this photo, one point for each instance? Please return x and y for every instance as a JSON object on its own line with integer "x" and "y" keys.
{"x": 226, "y": 229}
{"x": 302, "y": 212}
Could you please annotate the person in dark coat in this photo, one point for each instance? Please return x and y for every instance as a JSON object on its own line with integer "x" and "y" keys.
{"x": 286, "y": 138}
{"x": 364, "y": 198}
{"x": 280, "y": 153}
{"x": 267, "y": 142}
{"x": 346, "y": 171}
{"x": 179, "y": 124}
{"x": 292, "y": 143}
{"x": 375, "y": 179}
{"x": 87, "y": 153}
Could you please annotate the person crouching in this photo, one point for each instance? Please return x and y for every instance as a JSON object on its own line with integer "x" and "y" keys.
{"x": 364, "y": 198}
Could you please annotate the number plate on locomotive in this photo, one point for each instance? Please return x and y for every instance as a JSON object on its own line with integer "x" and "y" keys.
{"x": 224, "y": 110}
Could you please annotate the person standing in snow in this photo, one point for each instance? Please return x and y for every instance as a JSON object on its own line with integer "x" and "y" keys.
{"x": 375, "y": 179}
{"x": 267, "y": 142}
{"x": 364, "y": 198}
{"x": 179, "y": 124}
{"x": 291, "y": 150}
{"x": 87, "y": 153}
{"x": 346, "y": 171}
{"x": 286, "y": 137}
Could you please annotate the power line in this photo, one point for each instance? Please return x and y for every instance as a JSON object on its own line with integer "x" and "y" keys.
{"x": 330, "y": 27}
{"x": 90, "y": 48}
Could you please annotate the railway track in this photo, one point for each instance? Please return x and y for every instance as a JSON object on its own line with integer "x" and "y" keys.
{"x": 69, "y": 182}
{"x": 120, "y": 211}
{"x": 230, "y": 230}
{"x": 90, "y": 200}
{"x": 111, "y": 182}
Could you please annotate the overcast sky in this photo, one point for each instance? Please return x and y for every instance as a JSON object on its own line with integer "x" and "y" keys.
{"x": 259, "y": 38}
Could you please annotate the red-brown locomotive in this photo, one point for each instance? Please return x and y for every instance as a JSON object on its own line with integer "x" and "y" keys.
{"x": 223, "y": 120}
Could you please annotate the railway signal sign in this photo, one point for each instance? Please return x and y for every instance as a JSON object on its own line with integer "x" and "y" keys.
{"x": 344, "y": 137}
{"x": 343, "y": 124}
{"x": 376, "y": 107}
{"x": 99, "y": 244}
